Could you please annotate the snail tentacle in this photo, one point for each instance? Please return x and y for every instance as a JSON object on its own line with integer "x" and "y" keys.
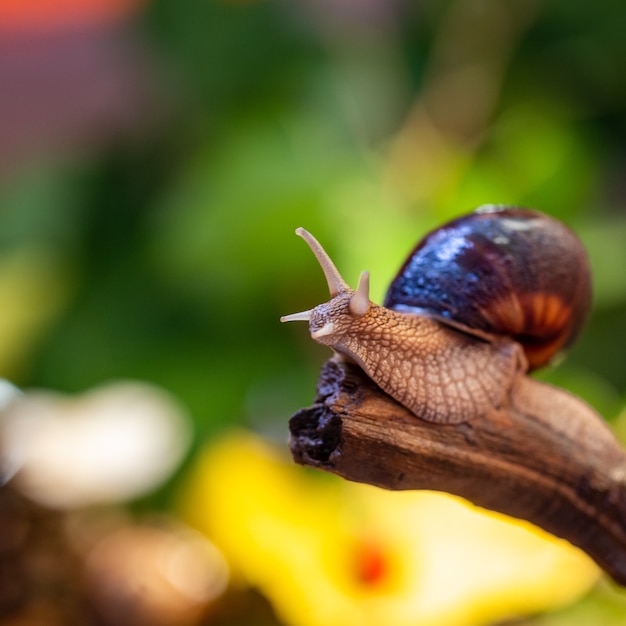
{"x": 336, "y": 284}
{"x": 360, "y": 302}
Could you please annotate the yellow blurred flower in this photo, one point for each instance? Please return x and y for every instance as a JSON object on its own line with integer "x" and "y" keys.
{"x": 327, "y": 552}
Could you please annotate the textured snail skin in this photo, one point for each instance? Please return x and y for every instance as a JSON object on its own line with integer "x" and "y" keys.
{"x": 478, "y": 302}
{"x": 440, "y": 373}
{"x": 505, "y": 271}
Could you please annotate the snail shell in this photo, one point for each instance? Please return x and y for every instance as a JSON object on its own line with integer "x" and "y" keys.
{"x": 504, "y": 271}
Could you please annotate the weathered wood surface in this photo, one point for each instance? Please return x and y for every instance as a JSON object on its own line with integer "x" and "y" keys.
{"x": 539, "y": 458}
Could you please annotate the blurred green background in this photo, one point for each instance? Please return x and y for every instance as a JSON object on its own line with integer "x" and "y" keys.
{"x": 156, "y": 162}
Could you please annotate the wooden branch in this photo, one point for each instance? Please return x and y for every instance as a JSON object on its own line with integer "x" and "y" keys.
{"x": 540, "y": 458}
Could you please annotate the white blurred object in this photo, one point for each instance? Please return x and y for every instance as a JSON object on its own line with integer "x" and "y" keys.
{"x": 8, "y": 393}
{"x": 112, "y": 444}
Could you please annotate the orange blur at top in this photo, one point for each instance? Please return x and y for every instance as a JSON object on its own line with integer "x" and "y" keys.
{"x": 38, "y": 15}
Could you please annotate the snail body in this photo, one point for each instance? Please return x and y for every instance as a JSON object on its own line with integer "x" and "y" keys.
{"x": 478, "y": 302}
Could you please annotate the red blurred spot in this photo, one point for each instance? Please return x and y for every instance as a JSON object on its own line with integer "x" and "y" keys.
{"x": 29, "y": 15}
{"x": 371, "y": 563}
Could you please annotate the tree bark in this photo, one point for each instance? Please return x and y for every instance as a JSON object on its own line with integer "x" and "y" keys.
{"x": 544, "y": 456}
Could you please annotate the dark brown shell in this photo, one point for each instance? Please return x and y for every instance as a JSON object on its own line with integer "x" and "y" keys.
{"x": 501, "y": 270}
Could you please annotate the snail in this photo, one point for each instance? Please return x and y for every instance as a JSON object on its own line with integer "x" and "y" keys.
{"x": 479, "y": 301}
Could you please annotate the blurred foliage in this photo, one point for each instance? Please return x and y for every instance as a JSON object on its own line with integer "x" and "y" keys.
{"x": 153, "y": 238}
